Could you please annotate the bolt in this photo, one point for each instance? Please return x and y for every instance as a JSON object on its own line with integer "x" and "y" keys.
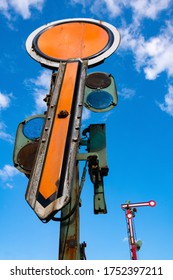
{"x": 52, "y": 106}
{"x": 63, "y": 114}
{"x": 72, "y": 243}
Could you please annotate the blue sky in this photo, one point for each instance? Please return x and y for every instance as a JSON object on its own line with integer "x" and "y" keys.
{"x": 139, "y": 129}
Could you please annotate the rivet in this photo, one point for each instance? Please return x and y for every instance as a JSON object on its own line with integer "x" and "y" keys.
{"x": 63, "y": 114}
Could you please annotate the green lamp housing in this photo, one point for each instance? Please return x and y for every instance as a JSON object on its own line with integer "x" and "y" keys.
{"x": 26, "y": 143}
{"x": 97, "y": 165}
{"x": 97, "y": 144}
{"x": 138, "y": 245}
{"x": 100, "y": 92}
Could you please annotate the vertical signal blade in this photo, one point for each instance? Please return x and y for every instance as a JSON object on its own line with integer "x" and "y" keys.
{"x": 51, "y": 179}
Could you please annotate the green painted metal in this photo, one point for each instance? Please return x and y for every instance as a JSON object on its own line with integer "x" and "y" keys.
{"x": 97, "y": 163}
{"x": 97, "y": 144}
{"x": 138, "y": 245}
{"x": 101, "y": 99}
{"x": 26, "y": 145}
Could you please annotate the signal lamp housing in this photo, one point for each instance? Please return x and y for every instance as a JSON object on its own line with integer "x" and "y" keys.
{"x": 27, "y": 138}
{"x": 100, "y": 92}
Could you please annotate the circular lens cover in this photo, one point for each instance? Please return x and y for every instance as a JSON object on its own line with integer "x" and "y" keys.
{"x": 98, "y": 80}
{"x": 26, "y": 156}
{"x": 32, "y": 129}
{"x": 99, "y": 99}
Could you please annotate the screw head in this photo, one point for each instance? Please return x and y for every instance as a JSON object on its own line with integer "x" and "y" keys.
{"x": 63, "y": 114}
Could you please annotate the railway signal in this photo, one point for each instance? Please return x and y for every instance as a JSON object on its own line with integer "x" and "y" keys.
{"x": 97, "y": 162}
{"x": 130, "y": 211}
{"x": 26, "y": 144}
{"x": 100, "y": 92}
{"x": 69, "y": 46}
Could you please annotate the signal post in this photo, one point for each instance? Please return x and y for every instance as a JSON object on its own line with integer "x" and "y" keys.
{"x": 130, "y": 210}
{"x": 68, "y": 47}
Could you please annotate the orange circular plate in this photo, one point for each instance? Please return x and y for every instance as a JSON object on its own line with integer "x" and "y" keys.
{"x": 73, "y": 40}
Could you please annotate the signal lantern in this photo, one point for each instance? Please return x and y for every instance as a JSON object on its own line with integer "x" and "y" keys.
{"x": 98, "y": 168}
{"x": 100, "y": 92}
{"x": 138, "y": 245}
{"x": 27, "y": 138}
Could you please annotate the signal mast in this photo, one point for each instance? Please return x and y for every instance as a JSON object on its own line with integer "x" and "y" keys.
{"x": 130, "y": 210}
{"x": 47, "y": 147}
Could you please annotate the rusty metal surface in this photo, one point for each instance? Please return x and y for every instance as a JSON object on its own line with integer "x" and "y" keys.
{"x": 69, "y": 247}
{"x": 26, "y": 143}
{"x": 98, "y": 80}
{"x": 36, "y": 174}
{"x": 26, "y": 156}
{"x": 54, "y": 203}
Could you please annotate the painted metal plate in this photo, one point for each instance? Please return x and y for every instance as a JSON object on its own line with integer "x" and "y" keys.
{"x": 73, "y": 39}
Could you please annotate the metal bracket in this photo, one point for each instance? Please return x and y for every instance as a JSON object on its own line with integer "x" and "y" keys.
{"x": 96, "y": 177}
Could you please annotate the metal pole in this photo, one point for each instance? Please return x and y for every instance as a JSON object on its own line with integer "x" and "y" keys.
{"x": 69, "y": 246}
{"x": 131, "y": 234}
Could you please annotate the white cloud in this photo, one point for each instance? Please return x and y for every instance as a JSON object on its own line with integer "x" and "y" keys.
{"x": 4, "y": 101}
{"x": 20, "y": 7}
{"x": 86, "y": 114}
{"x": 160, "y": 54}
{"x": 4, "y": 7}
{"x": 82, "y": 2}
{"x": 40, "y": 87}
{"x": 8, "y": 172}
{"x": 147, "y": 8}
{"x": 106, "y": 115}
{"x": 167, "y": 106}
{"x": 125, "y": 239}
{"x": 40, "y": 94}
{"x": 127, "y": 93}
{"x": 4, "y": 104}
{"x": 154, "y": 55}
{"x": 43, "y": 80}
{"x": 9, "y": 186}
{"x": 6, "y": 136}
{"x": 112, "y": 8}
{"x": 3, "y": 4}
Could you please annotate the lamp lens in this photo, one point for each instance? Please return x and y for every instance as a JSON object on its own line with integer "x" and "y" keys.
{"x": 33, "y": 128}
{"x": 99, "y": 99}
